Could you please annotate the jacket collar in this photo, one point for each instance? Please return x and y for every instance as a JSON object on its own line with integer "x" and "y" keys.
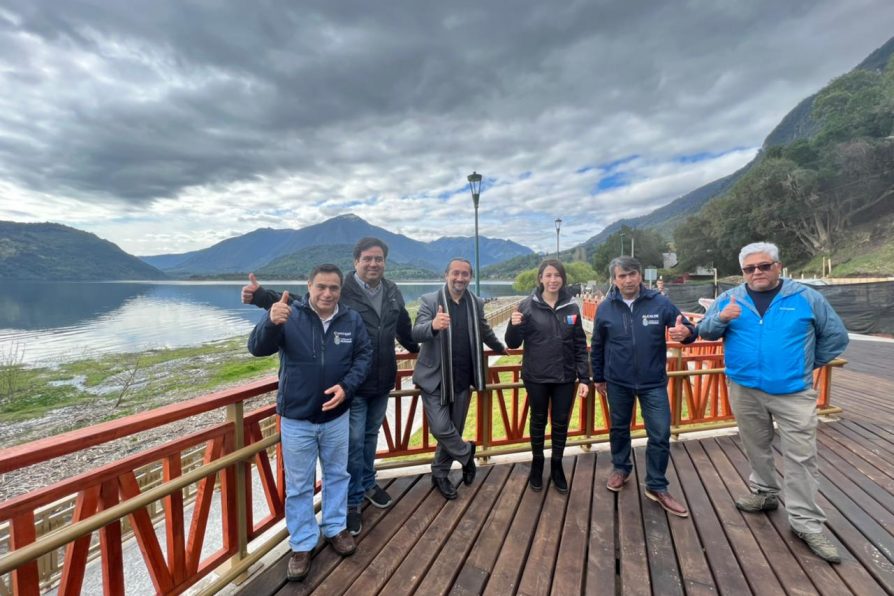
{"x": 304, "y": 303}
{"x": 644, "y": 292}
{"x": 562, "y": 300}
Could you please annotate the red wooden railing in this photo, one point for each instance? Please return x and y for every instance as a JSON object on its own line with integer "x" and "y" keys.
{"x": 106, "y": 495}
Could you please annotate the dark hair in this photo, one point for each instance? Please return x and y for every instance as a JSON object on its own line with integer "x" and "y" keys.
{"x": 326, "y": 268}
{"x": 625, "y": 264}
{"x": 368, "y": 242}
{"x": 455, "y": 259}
{"x": 551, "y": 263}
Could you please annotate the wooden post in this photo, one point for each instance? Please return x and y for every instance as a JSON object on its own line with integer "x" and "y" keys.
{"x": 590, "y": 416}
{"x": 485, "y": 414}
{"x": 677, "y": 393}
{"x": 235, "y": 415}
{"x": 25, "y": 580}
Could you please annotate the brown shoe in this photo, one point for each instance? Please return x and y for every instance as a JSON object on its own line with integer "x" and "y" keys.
{"x": 616, "y": 480}
{"x": 343, "y": 543}
{"x": 299, "y": 566}
{"x": 668, "y": 503}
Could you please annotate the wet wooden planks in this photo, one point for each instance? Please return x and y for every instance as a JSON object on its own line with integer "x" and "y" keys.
{"x": 500, "y": 537}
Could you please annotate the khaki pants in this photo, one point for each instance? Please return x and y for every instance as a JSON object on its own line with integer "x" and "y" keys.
{"x": 795, "y": 417}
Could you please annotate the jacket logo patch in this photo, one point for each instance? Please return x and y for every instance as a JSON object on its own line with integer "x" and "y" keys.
{"x": 651, "y": 320}
{"x": 571, "y": 319}
{"x": 341, "y": 337}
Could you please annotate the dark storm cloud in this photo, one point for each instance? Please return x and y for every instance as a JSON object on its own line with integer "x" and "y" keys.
{"x": 137, "y": 101}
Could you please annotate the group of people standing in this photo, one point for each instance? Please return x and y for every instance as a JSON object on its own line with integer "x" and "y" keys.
{"x": 337, "y": 366}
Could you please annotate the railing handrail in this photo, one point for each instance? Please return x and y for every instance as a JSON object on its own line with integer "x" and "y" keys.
{"x": 41, "y": 450}
{"x": 63, "y": 536}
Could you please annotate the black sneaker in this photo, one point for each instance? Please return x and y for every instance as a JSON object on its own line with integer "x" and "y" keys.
{"x": 378, "y": 497}
{"x": 355, "y": 520}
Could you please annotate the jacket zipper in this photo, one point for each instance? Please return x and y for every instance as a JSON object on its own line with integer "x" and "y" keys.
{"x": 633, "y": 341}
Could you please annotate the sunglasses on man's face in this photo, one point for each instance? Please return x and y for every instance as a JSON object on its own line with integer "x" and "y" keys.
{"x": 749, "y": 269}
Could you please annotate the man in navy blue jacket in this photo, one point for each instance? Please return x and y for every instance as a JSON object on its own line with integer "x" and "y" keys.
{"x": 629, "y": 360}
{"x": 381, "y": 306}
{"x": 325, "y": 355}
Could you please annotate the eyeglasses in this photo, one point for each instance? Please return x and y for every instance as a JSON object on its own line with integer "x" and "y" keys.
{"x": 749, "y": 269}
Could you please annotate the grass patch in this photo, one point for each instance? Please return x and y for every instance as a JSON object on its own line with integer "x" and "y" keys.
{"x": 498, "y": 423}
{"x": 40, "y": 400}
{"x": 131, "y": 382}
{"x": 230, "y": 372}
{"x": 868, "y": 250}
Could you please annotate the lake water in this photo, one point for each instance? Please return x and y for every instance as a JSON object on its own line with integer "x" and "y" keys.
{"x": 51, "y": 322}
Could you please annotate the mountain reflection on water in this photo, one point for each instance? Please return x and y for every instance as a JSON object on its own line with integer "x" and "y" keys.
{"x": 52, "y": 322}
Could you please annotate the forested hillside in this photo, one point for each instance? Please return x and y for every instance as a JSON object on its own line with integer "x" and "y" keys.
{"x": 808, "y": 195}
{"x": 48, "y": 251}
{"x": 299, "y": 264}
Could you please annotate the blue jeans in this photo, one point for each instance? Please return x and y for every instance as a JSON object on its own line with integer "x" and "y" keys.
{"x": 302, "y": 443}
{"x": 656, "y": 415}
{"x": 367, "y": 414}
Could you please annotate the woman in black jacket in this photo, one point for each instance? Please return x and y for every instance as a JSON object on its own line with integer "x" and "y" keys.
{"x": 548, "y": 322}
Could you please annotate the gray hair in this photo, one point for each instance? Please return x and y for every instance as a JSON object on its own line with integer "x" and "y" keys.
{"x": 454, "y": 260}
{"x": 625, "y": 264}
{"x": 757, "y": 247}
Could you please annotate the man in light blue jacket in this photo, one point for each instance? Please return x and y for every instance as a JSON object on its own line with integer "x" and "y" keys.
{"x": 776, "y": 332}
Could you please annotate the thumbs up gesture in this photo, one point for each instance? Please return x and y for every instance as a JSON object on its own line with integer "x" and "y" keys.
{"x": 730, "y": 311}
{"x": 517, "y": 317}
{"x": 441, "y": 320}
{"x": 279, "y": 312}
{"x": 248, "y": 291}
{"x": 679, "y": 331}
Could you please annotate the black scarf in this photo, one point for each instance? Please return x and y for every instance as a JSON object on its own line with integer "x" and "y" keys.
{"x": 447, "y": 388}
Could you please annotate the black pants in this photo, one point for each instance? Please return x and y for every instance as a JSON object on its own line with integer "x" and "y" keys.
{"x": 557, "y": 399}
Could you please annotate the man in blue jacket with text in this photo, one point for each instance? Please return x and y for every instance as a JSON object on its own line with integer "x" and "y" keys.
{"x": 325, "y": 355}
{"x": 381, "y": 306}
{"x": 775, "y": 333}
{"x": 629, "y": 360}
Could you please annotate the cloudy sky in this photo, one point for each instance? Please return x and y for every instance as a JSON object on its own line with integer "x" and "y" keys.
{"x": 167, "y": 126}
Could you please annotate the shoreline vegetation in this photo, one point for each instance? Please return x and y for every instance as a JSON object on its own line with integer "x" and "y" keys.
{"x": 43, "y": 401}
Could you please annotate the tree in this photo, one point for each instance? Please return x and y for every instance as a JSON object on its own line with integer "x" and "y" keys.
{"x": 575, "y": 272}
{"x": 803, "y": 196}
{"x": 648, "y": 244}
{"x": 525, "y": 281}
{"x": 579, "y": 272}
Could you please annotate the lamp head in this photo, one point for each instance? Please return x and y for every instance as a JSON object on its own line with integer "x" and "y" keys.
{"x": 475, "y": 186}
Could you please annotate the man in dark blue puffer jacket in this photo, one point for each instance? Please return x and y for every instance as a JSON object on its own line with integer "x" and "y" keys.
{"x": 325, "y": 355}
{"x": 629, "y": 360}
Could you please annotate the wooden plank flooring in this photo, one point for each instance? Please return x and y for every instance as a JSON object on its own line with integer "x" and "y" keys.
{"x": 500, "y": 537}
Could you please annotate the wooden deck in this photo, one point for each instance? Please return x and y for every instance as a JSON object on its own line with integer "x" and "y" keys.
{"x": 499, "y": 537}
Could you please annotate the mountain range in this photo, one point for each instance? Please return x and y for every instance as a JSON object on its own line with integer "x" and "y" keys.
{"x": 255, "y": 250}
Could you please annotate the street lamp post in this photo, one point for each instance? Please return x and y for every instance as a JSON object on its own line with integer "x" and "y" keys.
{"x": 558, "y": 226}
{"x": 475, "y": 186}
{"x": 621, "y": 237}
